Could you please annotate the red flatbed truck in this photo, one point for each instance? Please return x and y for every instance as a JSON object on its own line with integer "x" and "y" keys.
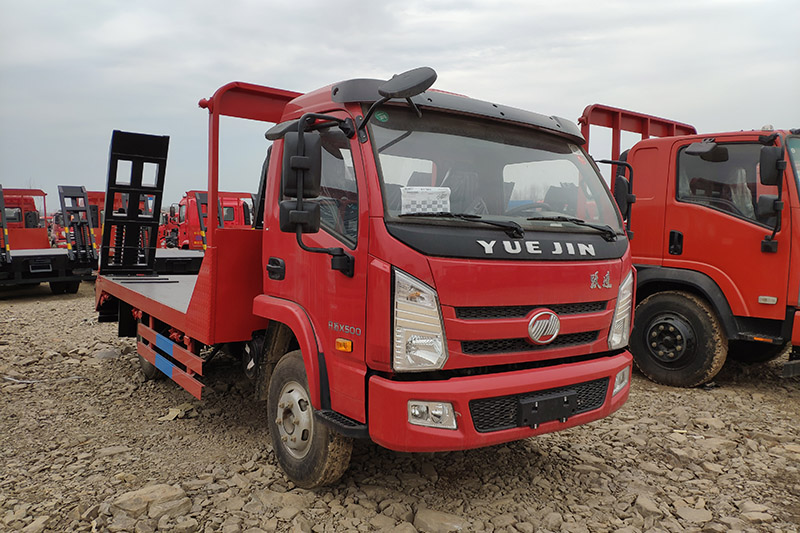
{"x": 407, "y": 280}
{"x": 716, "y": 224}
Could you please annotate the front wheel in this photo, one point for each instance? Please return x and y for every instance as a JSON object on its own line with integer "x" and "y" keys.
{"x": 310, "y": 453}
{"x": 58, "y": 287}
{"x": 677, "y": 339}
{"x": 72, "y": 287}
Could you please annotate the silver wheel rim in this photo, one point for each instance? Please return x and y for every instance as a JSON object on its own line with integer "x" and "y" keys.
{"x": 295, "y": 420}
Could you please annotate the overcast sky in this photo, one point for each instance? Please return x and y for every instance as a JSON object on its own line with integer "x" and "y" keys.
{"x": 71, "y": 72}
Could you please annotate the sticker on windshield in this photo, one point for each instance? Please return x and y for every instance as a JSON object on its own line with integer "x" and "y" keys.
{"x": 424, "y": 200}
{"x": 382, "y": 116}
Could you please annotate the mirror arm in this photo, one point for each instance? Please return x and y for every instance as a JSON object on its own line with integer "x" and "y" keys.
{"x": 363, "y": 122}
{"x": 306, "y": 123}
{"x": 414, "y": 107}
{"x": 769, "y": 244}
{"x": 624, "y": 164}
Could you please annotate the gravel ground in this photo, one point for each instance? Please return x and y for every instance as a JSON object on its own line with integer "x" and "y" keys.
{"x": 86, "y": 445}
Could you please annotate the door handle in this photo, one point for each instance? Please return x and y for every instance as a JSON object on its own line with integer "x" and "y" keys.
{"x": 276, "y": 267}
{"x": 675, "y": 242}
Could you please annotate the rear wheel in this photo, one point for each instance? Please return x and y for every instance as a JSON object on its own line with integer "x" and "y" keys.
{"x": 677, "y": 339}
{"x": 754, "y": 352}
{"x": 149, "y": 370}
{"x": 310, "y": 453}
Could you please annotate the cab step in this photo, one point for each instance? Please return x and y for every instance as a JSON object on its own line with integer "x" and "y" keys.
{"x": 342, "y": 424}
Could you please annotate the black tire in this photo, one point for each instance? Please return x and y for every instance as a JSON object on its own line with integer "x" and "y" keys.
{"x": 58, "y": 287}
{"x": 72, "y": 287}
{"x": 317, "y": 456}
{"x": 751, "y": 352}
{"x": 677, "y": 339}
{"x": 149, "y": 370}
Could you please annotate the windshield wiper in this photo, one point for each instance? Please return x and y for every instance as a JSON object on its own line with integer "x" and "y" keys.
{"x": 511, "y": 228}
{"x": 607, "y": 231}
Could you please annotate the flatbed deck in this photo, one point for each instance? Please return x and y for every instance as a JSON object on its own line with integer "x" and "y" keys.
{"x": 37, "y": 252}
{"x": 173, "y": 291}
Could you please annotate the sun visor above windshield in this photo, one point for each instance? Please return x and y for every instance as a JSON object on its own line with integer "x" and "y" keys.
{"x": 366, "y": 91}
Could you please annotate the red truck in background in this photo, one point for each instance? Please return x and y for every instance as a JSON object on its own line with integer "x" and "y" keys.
{"x": 185, "y": 225}
{"x": 717, "y": 244}
{"x": 26, "y": 257}
{"x": 426, "y": 270}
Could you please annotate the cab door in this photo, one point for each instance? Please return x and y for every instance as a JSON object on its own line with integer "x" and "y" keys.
{"x": 334, "y": 301}
{"x": 712, "y": 226}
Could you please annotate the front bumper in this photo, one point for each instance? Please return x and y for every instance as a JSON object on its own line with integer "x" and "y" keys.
{"x": 388, "y": 404}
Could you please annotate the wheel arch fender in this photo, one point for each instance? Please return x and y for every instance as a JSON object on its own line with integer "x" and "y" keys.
{"x": 297, "y": 320}
{"x": 651, "y": 280}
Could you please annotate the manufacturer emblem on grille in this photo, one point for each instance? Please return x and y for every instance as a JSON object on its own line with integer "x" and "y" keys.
{"x": 544, "y": 327}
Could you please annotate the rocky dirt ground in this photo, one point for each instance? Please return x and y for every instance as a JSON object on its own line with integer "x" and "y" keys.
{"x": 87, "y": 445}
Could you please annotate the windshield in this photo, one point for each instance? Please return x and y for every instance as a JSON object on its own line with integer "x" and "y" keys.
{"x": 450, "y": 164}
{"x": 793, "y": 143}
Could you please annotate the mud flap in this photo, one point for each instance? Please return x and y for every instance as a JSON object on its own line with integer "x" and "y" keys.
{"x": 792, "y": 367}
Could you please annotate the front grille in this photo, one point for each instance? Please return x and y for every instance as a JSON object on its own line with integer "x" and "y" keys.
{"x": 495, "y": 414}
{"x": 520, "y": 311}
{"x": 495, "y": 346}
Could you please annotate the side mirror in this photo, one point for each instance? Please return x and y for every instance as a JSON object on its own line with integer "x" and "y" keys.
{"x": 766, "y": 206}
{"x": 309, "y": 163}
{"x": 408, "y": 84}
{"x": 622, "y": 195}
{"x": 708, "y": 151}
{"x": 771, "y": 164}
{"x": 290, "y": 218}
{"x": 246, "y": 214}
{"x": 172, "y": 211}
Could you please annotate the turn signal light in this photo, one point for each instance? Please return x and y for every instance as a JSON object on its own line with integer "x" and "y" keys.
{"x": 344, "y": 345}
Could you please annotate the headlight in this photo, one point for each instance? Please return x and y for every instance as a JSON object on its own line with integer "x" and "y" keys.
{"x": 621, "y": 325}
{"x": 419, "y": 342}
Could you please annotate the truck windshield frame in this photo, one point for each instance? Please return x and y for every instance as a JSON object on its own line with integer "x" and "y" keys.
{"x": 501, "y": 172}
{"x": 793, "y": 148}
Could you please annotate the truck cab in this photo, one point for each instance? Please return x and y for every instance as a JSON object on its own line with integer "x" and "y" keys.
{"x": 715, "y": 225}
{"x": 234, "y": 211}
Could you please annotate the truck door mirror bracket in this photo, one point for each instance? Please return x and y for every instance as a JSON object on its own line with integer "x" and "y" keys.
{"x": 340, "y": 260}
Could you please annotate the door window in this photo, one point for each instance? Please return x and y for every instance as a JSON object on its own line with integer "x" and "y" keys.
{"x": 729, "y": 185}
{"x": 338, "y": 199}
